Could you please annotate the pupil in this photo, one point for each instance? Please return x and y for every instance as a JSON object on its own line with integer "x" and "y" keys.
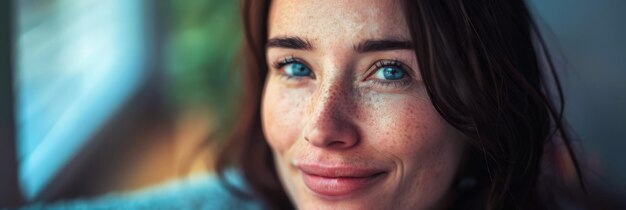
{"x": 300, "y": 70}
{"x": 393, "y": 74}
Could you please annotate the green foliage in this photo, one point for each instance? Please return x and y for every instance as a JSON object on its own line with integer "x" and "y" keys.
{"x": 202, "y": 55}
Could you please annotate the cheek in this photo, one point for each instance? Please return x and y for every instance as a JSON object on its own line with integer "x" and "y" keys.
{"x": 425, "y": 147}
{"x": 407, "y": 127}
{"x": 282, "y": 111}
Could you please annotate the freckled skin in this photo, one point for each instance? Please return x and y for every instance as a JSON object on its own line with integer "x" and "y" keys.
{"x": 347, "y": 118}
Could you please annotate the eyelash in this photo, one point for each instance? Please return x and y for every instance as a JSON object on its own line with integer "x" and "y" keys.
{"x": 392, "y": 84}
{"x": 286, "y": 61}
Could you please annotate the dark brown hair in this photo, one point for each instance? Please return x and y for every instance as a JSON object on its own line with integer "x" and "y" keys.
{"x": 481, "y": 66}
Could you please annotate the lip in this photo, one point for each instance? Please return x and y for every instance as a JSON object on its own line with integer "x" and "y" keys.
{"x": 338, "y": 181}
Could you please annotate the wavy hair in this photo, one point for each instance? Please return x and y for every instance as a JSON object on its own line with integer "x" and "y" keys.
{"x": 480, "y": 63}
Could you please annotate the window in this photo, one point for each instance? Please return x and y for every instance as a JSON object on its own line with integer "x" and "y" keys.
{"x": 76, "y": 63}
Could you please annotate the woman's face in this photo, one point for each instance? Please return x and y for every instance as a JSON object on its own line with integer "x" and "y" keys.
{"x": 346, "y": 112}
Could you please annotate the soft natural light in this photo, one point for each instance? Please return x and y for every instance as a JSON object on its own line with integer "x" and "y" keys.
{"x": 77, "y": 63}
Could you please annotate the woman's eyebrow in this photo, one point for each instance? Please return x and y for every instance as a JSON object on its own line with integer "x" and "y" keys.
{"x": 382, "y": 45}
{"x": 297, "y": 43}
{"x": 292, "y": 42}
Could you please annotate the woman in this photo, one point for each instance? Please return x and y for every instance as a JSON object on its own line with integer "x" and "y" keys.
{"x": 395, "y": 104}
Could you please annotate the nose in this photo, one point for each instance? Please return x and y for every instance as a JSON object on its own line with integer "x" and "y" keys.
{"x": 330, "y": 124}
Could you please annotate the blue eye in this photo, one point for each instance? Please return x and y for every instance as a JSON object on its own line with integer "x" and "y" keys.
{"x": 297, "y": 69}
{"x": 390, "y": 73}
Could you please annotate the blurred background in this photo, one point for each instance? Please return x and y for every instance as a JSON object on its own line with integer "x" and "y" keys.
{"x": 111, "y": 96}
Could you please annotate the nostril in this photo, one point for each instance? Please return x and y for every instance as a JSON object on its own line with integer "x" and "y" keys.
{"x": 329, "y": 124}
{"x": 332, "y": 137}
{"x": 336, "y": 144}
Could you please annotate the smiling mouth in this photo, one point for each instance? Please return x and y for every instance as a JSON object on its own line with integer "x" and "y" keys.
{"x": 334, "y": 182}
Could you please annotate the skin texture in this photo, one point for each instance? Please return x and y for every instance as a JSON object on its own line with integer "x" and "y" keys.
{"x": 344, "y": 115}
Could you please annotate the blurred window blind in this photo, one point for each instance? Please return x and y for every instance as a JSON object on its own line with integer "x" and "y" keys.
{"x": 76, "y": 63}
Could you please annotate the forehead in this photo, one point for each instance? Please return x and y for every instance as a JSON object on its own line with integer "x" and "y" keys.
{"x": 338, "y": 20}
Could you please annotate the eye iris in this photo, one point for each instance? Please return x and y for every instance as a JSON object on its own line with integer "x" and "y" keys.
{"x": 393, "y": 73}
{"x": 298, "y": 69}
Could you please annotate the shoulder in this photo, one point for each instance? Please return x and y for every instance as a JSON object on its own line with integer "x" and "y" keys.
{"x": 201, "y": 191}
